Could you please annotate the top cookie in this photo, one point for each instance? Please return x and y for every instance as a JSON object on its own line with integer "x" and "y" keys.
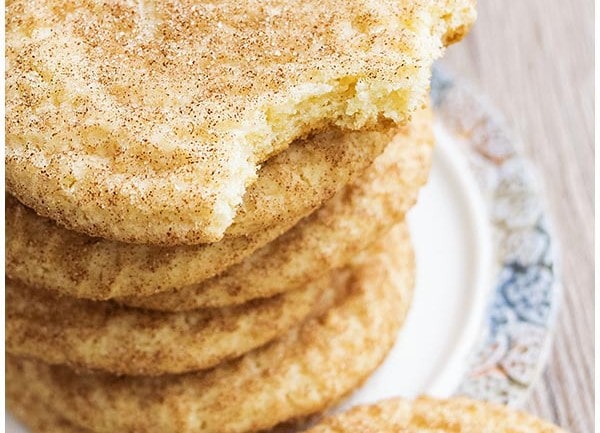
{"x": 145, "y": 121}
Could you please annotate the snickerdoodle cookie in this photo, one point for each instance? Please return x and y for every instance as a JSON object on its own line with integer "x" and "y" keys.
{"x": 146, "y": 122}
{"x": 305, "y": 371}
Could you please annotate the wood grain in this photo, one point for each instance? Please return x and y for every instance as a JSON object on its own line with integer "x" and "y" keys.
{"x": 535, "y": 61}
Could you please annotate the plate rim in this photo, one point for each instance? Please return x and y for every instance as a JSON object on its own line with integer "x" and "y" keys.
{"x": 452, "y": 99}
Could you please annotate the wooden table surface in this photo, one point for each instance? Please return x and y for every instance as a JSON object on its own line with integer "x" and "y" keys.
{"x": 534, "y": 59}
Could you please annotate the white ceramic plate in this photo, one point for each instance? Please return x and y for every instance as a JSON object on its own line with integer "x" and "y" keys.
{"x": 487, "y": 289}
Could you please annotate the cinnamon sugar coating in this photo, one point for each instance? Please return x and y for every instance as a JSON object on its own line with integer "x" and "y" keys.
{"x": 429, "y": 415}
{"x": 146, "y": 121}
{"x": 290, "y": 185}
{"x": 307, "y": 370}
{"x": 105, "y": 336}
{"x": 354, "y": 219}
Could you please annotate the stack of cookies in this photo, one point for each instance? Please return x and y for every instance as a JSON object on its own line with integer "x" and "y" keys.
{"x": 204, "y": 231}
